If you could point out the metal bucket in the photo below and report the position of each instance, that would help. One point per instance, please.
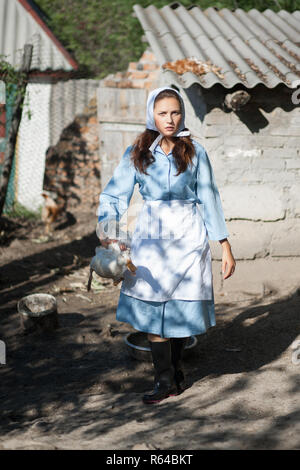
(38, 312)
(138, 346)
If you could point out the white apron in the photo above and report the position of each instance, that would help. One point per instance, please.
(171, 251)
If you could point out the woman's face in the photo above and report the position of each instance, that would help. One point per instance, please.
(167, 116)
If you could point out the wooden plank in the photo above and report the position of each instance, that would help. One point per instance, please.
(122, 105)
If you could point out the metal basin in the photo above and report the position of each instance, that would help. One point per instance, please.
(38, 312)
(138, 346)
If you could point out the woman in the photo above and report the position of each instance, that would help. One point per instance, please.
(171, 295)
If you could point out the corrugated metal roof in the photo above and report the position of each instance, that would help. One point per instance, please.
(21, 24)
(249, 48)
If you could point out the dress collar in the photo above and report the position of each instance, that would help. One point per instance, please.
(160, 150)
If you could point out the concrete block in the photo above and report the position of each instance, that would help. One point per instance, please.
(214, 147)
(121, 105)
(295, 121)
(285, 178)
(248, 176)
(285, 239)
(241, 153)
(248, 239)
(272, 176)
(215, 130)
(285, 152)
(240, 130)
(272, 163)
(277, 276)
(129, 137)
(227, 130)
(111, 145)
(240, 142)
(216, 116)
(294, 116)
(264, 141)
(231, 164)
(288, 130)
(253, 202)
(293, 163)
(294, 200)
(292, 142)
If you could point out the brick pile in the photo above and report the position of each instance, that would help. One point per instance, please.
(72, 169)
(141, 74)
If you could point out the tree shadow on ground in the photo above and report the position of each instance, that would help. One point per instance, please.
(49, 380)
(255, 337)
(61, 371)
(21, 276)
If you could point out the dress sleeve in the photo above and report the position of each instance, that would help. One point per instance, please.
(115, 198)
(208, 194)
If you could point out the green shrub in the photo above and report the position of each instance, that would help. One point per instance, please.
(103, 36)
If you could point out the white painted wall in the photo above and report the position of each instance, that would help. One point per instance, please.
(2, 102)
(255, 159)
(53, 107)
(33, 142)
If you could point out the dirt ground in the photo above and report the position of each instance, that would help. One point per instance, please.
(79, 387)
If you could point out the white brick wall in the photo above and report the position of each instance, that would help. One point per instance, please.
(255, 156)
(256, 162)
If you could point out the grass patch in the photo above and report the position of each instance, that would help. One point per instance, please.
(17, 211)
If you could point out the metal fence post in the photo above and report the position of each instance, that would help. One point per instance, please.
(2, 352)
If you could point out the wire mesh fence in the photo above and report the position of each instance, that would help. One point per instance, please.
(7, 95)
(49, 108)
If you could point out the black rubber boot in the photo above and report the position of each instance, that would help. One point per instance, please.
(164, 383)
(177, 347)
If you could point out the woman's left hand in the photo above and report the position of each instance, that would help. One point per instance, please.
(228, 262)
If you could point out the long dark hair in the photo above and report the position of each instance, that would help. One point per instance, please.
(183, 150)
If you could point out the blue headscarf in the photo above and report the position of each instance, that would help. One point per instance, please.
(150, 123)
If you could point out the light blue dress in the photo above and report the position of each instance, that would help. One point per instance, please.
(172, 318)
